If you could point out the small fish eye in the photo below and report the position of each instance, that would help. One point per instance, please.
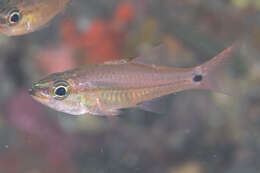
(14, 17)
(61, 90)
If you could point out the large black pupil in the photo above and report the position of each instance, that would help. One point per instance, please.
(15, 18)
(60, 91)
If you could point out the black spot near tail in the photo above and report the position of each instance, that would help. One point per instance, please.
(197, 78)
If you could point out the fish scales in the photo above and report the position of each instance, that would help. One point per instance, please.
(129, 75)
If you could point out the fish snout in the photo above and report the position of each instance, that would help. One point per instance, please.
(31, 91)
(38, 90)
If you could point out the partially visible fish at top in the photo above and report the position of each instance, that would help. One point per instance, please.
(104, 89)
(18, 17)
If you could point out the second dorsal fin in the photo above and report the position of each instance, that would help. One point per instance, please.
(153, 56)
(120, 61)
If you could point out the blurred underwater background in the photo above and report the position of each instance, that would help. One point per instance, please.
(201, 131)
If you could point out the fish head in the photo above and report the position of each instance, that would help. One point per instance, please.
(19, 17)
(58, 92)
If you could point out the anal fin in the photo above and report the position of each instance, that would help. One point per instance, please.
(158, 105)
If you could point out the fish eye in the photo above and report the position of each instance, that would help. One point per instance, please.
(14, 17)
(61, 90)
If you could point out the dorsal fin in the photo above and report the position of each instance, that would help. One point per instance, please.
(150, 57)
(153, 56)
(120, 61)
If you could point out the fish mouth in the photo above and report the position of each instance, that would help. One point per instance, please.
(31, 91)
(39, 91)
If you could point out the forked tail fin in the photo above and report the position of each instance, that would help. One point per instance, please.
(213, 74)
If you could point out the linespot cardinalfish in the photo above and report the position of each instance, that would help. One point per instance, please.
(104, 89)
(19, 17)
